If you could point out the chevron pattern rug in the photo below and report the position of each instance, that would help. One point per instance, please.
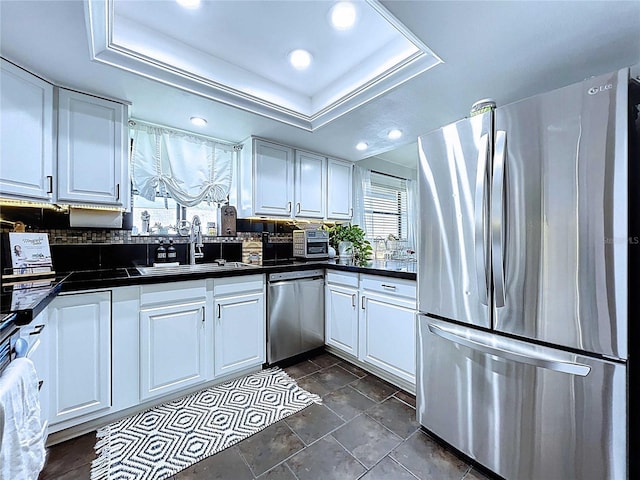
(160, 442)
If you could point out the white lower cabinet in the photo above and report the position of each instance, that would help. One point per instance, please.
(80, 355)
(173, 337)
(157, 340)
(372, 319)
(239, 324)
(125, 346)
(341, 318)
(387, 335)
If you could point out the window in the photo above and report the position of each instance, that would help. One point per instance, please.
(165, 220)
(385, 206)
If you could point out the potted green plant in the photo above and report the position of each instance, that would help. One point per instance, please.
(351, 233)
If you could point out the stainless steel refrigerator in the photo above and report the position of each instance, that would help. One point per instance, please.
(522, 284)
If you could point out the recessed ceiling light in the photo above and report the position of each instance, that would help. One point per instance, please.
(394, 134)
(192, 4)
(198, 121)
(362, 146)
(300, 59)
(343, 15)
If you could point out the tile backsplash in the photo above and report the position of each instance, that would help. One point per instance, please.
(257, 241)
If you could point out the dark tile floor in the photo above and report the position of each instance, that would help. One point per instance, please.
(364, 429)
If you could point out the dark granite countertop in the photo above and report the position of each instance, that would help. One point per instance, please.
(28, 299)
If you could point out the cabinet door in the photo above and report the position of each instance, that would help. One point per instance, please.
(26, 130)
(172, 348)
(240, 332)
(339, 190)
(310, 185)
(388, 335)
(341, 317)
(80, 354)
(273, 179)
(92, 150)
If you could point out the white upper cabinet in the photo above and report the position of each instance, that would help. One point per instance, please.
(273, 171)
(91, 165)
(92, 150)
(280, 181)
(26, 133)
(310, 185)
(339, 190)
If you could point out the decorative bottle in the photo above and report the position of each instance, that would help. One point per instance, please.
(161, 253)
(171, 252)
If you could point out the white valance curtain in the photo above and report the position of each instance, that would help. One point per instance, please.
(361, 189)
(189, 168)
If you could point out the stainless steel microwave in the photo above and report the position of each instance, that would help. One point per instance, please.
(310, 244)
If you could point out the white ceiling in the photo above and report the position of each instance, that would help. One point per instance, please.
(245, 63)
(503, 50)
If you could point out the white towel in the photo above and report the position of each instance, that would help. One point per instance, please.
(22, 452)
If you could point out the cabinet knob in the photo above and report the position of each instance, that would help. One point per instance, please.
(298, 207)
(363, 302)
(289, 207)
(50, 182)
(353, 300)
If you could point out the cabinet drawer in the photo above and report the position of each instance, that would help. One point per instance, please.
(162, 293)
(241, 284)
(393, 286)
(342, 278)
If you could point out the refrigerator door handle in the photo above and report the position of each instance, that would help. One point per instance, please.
(480, 243)
(548, 363)
(497, 215)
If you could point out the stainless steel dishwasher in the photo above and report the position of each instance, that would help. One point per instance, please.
(295, 319)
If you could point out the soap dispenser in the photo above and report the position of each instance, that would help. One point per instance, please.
(171, 252)
(161, 253)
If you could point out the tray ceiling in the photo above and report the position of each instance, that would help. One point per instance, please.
(237, 53)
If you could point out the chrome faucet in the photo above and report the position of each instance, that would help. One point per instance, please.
(195, 240)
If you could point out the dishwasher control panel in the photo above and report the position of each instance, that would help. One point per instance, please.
(297, 275)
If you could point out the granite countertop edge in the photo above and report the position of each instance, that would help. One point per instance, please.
(129, 276)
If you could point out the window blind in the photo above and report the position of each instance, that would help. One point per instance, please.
(385, 207)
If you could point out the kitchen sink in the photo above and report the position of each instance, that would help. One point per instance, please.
(198, 268)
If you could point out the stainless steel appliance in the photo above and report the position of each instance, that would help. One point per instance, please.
(295, 318)
(522, 284)
(311, 243)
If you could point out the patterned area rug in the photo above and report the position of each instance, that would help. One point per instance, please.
(164, 440)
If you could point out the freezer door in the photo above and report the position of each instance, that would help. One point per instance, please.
(524, 411)
(559, 217)
(453, 246)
